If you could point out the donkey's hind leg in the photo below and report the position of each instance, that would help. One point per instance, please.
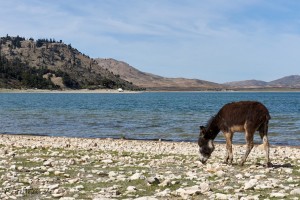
(249, 144)
(263, 132)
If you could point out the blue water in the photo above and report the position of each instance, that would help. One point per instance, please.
(162, 115)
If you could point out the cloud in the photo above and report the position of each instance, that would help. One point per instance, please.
(212, 40)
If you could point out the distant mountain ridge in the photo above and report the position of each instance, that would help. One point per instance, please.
(154, 82)
(292, 81)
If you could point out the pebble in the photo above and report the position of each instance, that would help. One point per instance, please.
(136, 176)
(277, 195)
(295, 191)
(161, 170)
(131, 188)
(250, 184)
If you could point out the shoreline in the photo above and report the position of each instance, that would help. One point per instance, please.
(43, 167)
(80, 91)
(140, 140)
(115, 91)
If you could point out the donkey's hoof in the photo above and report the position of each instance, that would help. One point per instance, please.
(269, 164)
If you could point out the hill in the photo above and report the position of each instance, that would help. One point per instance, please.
(50, 64)
(292, 82)
(154, 82)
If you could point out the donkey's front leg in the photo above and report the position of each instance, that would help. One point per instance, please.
(229, 155)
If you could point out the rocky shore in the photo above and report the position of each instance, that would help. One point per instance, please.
(33, 167)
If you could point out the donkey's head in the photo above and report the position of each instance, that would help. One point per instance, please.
(206, 146)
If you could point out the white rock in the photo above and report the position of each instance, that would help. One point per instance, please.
(221, 196)
(53, 187)
(204, 187)
(79, 187)
(220, 173)
(112, 174)
(72, 181)
(107, 161)
(165, 183)
(194, 190)
(250, 184)
(153, 180)
(288, 170)
(58, 193)
(13, 167)
(48, 163)
(192, 175)
(136, 176)
(295, 191)
(146, 198)
(56, 173)
(239, 176)
(67, 198)
(131, 188)
(164, 193)
(277, 195)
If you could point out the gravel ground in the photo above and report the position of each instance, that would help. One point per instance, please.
(33, 167)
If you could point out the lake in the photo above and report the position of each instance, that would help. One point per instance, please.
(174, 116)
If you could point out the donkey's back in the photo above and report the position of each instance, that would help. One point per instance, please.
(239, 116)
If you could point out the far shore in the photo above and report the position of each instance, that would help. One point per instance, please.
(112, 91)
(116, 91)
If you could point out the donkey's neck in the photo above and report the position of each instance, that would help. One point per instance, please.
(212, 128)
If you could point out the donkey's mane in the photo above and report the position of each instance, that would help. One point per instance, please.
(208, 124)
(212, 127)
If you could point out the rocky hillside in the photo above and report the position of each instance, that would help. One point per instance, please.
(154, 82)
(29, 63)
(288, 81)
(285, 82)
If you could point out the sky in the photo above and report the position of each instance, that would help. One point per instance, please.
(212, 40)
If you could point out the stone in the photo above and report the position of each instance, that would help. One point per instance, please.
(277, 195)
(112, 174)
(13, 167)
(72, 181)
(108, 161)
(79, 187)
(221, 196)
(153, 180)
(164, 193)
(58, 193)
(53, 187)
(146, 198)
(295, 191)
(48, 163)
(136, 176)
(250, 184)
(220, 173)
(131, 188)
(239, 176)
(165, 183)
(204, 187)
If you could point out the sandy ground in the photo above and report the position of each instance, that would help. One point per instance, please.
(35, 167)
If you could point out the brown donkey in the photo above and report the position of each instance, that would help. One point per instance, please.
(246, 116)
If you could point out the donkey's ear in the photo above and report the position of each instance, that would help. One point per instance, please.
(202, 131)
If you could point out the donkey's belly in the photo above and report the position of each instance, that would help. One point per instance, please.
(237, 128)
